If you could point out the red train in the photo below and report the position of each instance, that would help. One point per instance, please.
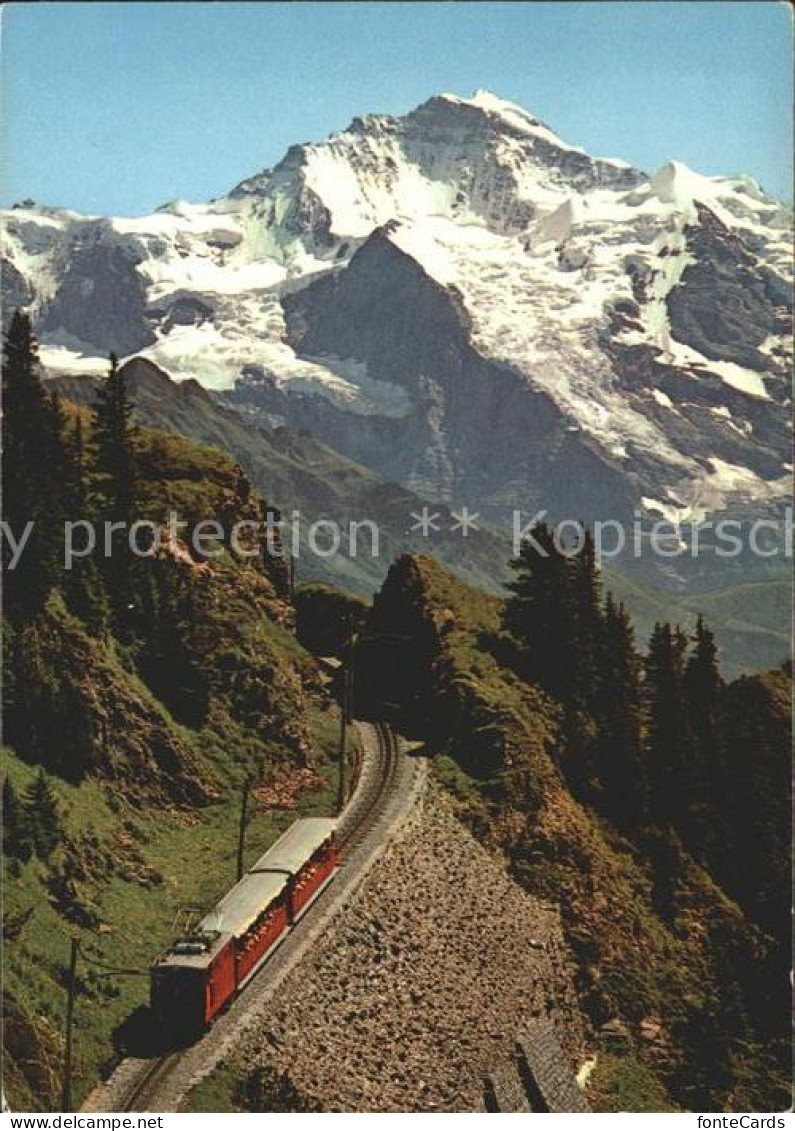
(196, 978)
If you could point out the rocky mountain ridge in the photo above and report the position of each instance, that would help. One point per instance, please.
(466, 304)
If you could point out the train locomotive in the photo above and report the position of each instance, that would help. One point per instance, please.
(201, 973)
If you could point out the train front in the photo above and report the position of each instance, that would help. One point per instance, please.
(191, 982)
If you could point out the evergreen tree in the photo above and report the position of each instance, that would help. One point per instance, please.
(16, 828)
(113, 439)
(114, 436)
(703, 685)
(42, 808)
(83, 587)
(555, 616)
(586, 586)
(58, 455)
(277, 563)
(242, 486)
(703, 689)
(753, 795)
(86, 597)
(78, 492)
(32, 472)
(541, 615)
(703, 677)
(668, 737)
(619, 760)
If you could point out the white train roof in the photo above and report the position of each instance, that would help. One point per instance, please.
(260, 886)
(244, 903)
(295, 846)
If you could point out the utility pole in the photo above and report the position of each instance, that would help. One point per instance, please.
(66, 1090)
(346, 682)
(241, 837)
(346, 711)
(292, 570)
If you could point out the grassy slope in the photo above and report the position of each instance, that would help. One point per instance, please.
(136, 858)
(145, 874)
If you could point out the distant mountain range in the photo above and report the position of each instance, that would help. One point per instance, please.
(467, 306)
(297, 472)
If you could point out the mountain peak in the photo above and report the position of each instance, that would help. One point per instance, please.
(492, 103)
(497, 111)
(595, 283)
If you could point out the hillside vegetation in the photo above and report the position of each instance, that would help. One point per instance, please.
(678, 916)
(632, 786)
(142, 695)
(303, 475)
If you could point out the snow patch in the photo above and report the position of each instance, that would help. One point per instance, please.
(557, 227)
(61, 359)
(420, 243)
(676, 184)
(747, 381)
(218, 358)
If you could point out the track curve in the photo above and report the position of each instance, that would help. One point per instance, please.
(387, 783)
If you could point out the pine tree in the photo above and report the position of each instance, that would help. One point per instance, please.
(16, 828)
(32, 472)
(114, 437)
(114, 447)
(42, 808)
(242, 486)
(541, 615)
(703, 688)
(78, 492)
(619, 760)
(57, 455)
(83, 587)
(668, 736)
(586, 595)
(277, 563)
(703, 684)
(752, 800)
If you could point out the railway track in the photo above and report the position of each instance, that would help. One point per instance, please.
(372, 791)
(146, 1084)
(140, 1086)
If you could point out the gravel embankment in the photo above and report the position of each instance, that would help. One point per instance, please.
(423, 982)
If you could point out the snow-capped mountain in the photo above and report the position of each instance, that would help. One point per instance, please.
(464, 302)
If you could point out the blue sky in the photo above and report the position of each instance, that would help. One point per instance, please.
(116, 108)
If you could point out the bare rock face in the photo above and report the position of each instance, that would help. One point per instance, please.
(725, 307)
(424, 983)
(474, 428)
(101, 298)
(17, 291)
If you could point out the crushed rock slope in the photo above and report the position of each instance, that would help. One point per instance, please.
(424, 983)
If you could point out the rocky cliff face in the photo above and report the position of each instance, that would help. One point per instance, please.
(467, 304)
(475, 431)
